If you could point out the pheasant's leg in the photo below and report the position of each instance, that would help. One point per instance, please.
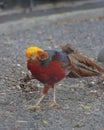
(36, 106)
(54, 103)
(54, 95)
(45, 90)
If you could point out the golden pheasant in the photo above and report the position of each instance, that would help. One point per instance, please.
(51, 66)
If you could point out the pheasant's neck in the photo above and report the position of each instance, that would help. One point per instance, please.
(47, 61)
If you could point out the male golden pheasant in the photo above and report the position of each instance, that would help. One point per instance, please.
(51, 66)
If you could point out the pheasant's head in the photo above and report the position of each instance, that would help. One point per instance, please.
(36, 52)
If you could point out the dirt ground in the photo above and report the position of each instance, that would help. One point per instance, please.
(81, 100)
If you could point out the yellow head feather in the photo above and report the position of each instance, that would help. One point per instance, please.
(33, 50)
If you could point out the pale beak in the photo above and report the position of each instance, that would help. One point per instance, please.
(27, 59)
(33, 57)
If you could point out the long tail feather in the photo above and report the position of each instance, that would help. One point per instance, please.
(78, 72)
(85, 62)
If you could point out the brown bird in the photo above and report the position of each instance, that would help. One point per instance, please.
(51, 66)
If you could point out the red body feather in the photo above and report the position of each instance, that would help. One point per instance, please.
(50, 74)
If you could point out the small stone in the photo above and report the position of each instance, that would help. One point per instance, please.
(93, 91)
(18, 87)
(39, 85)
(59, 84)
(23, 72)
(18, 65)
(92, 83)
(82, 84)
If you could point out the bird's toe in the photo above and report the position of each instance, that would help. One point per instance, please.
(34, 107)
(54, 104)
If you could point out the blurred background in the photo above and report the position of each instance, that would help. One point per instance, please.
(31, 5)
(44, 7)
(8, 4)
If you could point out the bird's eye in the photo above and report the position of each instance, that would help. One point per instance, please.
(43, 56)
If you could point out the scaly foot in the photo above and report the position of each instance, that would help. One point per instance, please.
(34, 107)
(54, 104)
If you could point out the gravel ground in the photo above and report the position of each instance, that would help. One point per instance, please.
(81, 100)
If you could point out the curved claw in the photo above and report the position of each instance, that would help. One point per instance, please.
(35, 107)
